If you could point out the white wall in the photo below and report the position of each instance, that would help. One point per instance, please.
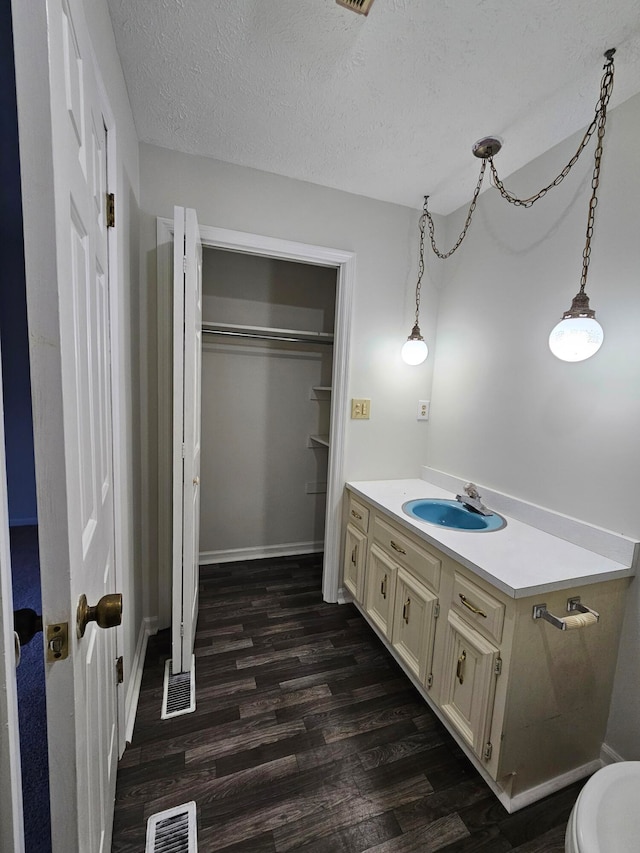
(385, 239)
(505, 412)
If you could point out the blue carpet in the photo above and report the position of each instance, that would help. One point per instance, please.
(25, 571)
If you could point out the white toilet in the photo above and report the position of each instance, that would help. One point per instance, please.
(606, 815)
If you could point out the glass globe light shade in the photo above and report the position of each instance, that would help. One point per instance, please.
(414, 351)
(576, 338)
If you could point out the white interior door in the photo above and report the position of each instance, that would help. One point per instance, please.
(11, 828)
(68, 299)
(187, 356)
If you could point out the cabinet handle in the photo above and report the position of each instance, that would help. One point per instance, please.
(460, 667)
(471, 607)
(356, 515)
(354, 555)
(397, 547)
(383, 587)
(405, 610)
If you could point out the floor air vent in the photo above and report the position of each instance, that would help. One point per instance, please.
(173, 831)
(179, 696)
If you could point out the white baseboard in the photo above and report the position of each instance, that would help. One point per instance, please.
(260, 552)
(148, 627)
(532, 795)
(344, 596)
(609, 755)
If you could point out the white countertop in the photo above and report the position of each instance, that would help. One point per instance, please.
(519, 559)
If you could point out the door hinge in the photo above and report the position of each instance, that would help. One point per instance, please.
(120, 669)
(488, 751)
(184, 263)
(430, 680)
(436, 610)
(182, 629)
(111, 210)
(497, 667)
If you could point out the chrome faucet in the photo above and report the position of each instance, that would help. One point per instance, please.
(472, 500)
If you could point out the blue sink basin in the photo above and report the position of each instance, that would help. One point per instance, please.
(452, 514)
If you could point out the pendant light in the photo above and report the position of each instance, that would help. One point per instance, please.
(578, 335)
(415, 350)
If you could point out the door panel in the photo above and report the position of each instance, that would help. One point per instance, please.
(187, 350)
(380, 589)
(414, 624)
(68, 297)
(355, 550)
(468, 681)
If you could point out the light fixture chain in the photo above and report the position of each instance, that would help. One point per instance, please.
(606, 87)
(472, 207)
(595, 180)
(422, 224)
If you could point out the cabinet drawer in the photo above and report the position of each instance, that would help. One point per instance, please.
(415, 557)
(358, 514)
(478, 607)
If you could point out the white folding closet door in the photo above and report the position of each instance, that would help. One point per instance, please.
(187, 356)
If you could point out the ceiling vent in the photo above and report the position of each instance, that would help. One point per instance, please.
(360, 6)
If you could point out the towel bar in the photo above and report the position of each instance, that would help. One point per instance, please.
(581, 616)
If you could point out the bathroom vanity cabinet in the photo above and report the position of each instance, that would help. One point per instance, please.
(526, 701)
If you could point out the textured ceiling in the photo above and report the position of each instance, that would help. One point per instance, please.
(386, 106)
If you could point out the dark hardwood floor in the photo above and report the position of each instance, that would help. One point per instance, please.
(307, 736)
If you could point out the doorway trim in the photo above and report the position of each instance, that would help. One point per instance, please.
(255, 244)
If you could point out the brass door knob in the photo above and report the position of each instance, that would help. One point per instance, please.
(107, 613)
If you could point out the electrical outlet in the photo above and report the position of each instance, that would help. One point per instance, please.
(423, 410)
(360, 409)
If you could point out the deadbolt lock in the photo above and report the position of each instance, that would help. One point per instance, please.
(57, 642)
(107, 613)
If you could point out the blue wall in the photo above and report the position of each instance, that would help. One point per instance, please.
(13, 308)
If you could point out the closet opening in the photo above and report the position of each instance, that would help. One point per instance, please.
(338, 266)
(267, 396)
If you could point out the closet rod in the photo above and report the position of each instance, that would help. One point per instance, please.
(264, 337)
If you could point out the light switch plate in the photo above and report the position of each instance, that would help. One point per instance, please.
(360, 409)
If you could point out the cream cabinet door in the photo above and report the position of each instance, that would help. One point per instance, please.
(380, 589)
(414, 624)
(355, 551)
(467, 678)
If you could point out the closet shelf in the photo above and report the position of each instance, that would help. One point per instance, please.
(267, 333)
(321, 393)
(322, 440)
